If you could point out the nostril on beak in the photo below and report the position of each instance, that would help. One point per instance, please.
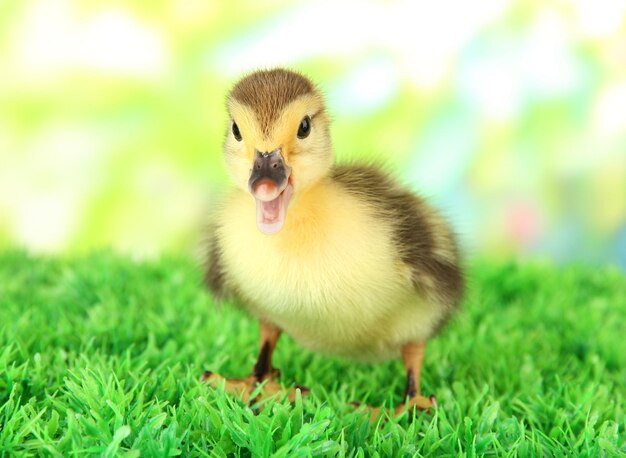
(275, 165)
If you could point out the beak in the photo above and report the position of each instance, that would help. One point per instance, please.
(271, 188)
(269, 175)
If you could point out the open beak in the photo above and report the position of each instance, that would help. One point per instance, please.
(271, 187)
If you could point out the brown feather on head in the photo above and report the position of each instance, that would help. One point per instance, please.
(268, 92)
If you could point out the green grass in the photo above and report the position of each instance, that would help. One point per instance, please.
(101, 355)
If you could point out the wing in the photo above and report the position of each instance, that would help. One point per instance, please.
(422, 238)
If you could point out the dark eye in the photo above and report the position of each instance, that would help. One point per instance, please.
(236, 132)
(305, 127)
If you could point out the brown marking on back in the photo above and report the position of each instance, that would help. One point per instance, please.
(268, 92)
(422, 239)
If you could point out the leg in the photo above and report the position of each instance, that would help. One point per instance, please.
(269, 335)
(262, 372)
(413, 355)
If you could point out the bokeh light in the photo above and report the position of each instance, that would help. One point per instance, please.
(509, 116)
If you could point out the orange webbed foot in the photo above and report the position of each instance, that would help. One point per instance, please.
(253, 389)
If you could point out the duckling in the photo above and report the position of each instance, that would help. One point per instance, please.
(342, 258)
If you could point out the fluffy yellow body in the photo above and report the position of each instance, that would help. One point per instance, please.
(331, 278)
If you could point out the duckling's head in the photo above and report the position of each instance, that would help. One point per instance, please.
(278, 143)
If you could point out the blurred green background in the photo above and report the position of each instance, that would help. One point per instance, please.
(509, 116)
